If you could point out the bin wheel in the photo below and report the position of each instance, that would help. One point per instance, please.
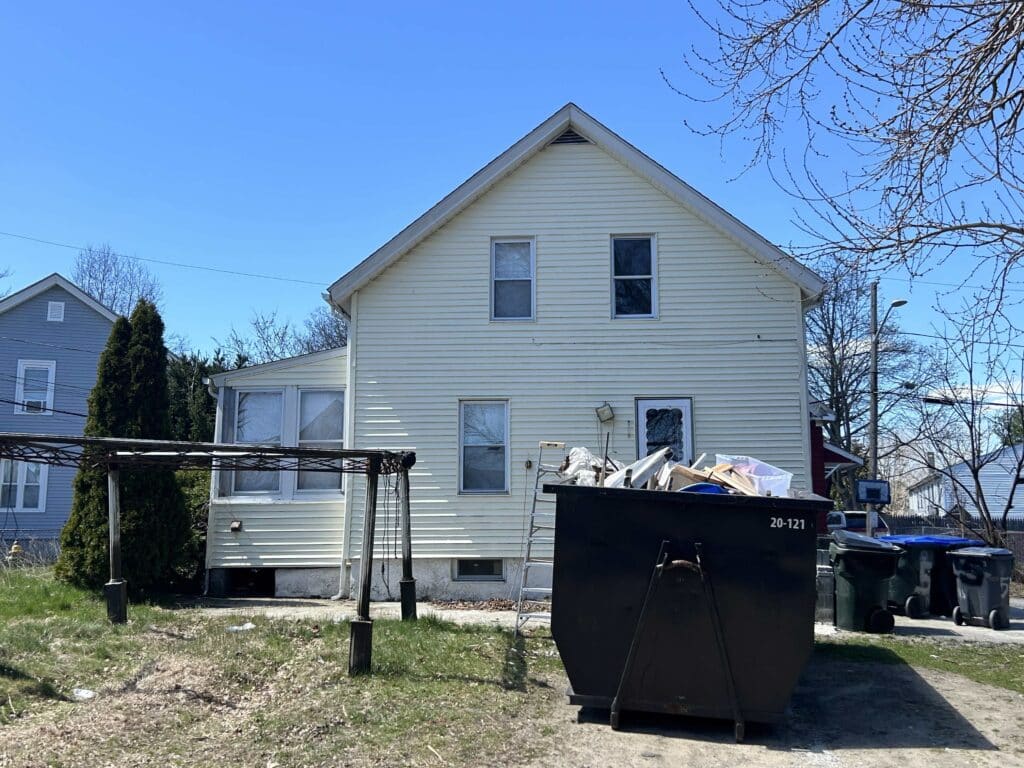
(958, 616)
(881, 621)
(914, 607)
(996, 621)
(739, 731)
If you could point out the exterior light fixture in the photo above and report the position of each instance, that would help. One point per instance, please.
(604, 412)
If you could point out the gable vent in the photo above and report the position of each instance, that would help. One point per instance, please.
(570, 137)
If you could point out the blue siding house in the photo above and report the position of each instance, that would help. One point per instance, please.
(51, 336)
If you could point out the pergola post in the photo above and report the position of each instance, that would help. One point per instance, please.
(115, 590)
(408, 583)
(361, 628)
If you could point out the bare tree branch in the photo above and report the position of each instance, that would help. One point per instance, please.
(113, 280)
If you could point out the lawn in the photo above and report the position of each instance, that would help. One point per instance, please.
(175, 687)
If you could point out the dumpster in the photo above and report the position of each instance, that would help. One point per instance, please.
(983, 586)
(684, 603)
(863, 568)
(923, 561)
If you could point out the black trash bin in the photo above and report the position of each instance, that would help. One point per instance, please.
(685, 603)
(983, 586)
(922, 562)
(863, 568)
(942, 597)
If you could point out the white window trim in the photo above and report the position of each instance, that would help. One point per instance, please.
(19, 487)
(508, 445)
(55, 311)
(316, 493)
(686, 404)
(19, 390)
(653, 276)
(533, 279)
(280, 474)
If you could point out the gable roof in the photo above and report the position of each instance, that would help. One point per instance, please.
(571, 117)
(59, 281)
(218, 379)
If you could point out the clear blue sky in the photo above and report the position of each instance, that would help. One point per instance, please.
(295, 138)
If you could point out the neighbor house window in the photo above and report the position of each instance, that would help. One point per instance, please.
(34, 388)
(479, 570)
(634, 292)
(483, 446)
(55, 311)
(512, 270)
(665, 423)
(258, 420)
(321, 425)
(22, 485)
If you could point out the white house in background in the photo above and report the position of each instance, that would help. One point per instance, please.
(291, 523)
(569, 273)
(953, 487)
(51, 336)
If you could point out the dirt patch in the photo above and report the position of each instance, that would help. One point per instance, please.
(843, 714)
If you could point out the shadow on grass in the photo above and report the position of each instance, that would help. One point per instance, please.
(849, 697)
(32, 686)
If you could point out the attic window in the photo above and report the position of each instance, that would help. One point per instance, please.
(55, 311)
(570, 137)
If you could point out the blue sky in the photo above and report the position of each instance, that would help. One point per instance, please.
(294, 139)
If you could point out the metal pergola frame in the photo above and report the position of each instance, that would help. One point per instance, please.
(113, 454)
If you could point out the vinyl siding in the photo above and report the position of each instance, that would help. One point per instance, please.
(275, 533)
(997, 478)
(75, 344)
(729, 334)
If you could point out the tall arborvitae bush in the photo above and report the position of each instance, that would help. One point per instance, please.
(83, 542)
(131, 396)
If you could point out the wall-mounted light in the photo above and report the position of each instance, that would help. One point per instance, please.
(604, 412)
(236, 526)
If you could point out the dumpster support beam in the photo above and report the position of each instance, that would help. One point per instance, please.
(361, 628)
(408, 584)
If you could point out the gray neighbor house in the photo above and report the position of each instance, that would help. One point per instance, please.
(51, 336)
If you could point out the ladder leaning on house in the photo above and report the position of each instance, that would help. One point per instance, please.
(539, 535)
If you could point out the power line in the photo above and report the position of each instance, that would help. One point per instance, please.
(45, 410)
(912, 282)
(56, 384)
(51, 346)
(183, 265)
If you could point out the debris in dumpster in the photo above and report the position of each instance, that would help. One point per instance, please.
(739, 475)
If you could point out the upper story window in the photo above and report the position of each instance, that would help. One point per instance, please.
(258, 419)
(512, 284)
(634, 293)
(483, 446)
(55, 311)
(34, 388)
(321, 425)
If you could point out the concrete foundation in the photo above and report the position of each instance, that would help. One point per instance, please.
(306, 582)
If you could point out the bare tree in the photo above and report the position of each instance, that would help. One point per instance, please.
(838, 364)
(270, 337)
(114, 280)
(4, 274)
(981, 378)
(900, 123)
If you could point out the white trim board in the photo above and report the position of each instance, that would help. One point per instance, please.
(570, 116)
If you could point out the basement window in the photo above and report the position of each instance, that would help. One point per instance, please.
(479, 570)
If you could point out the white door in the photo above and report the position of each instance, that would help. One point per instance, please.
(665, 421)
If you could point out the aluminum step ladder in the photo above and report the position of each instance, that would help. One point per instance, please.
(539, 535)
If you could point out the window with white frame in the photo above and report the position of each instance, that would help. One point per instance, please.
(512, 273)
(34, 388)
(22, 485)
(634, 293)
(321, 425)
(55, 311)
(258, 419)
(483, 446)
(665, 423)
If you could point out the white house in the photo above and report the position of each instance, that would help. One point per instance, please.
(569, 273)
(953, 487)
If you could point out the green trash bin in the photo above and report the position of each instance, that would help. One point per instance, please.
(983, 586)
(863, 567)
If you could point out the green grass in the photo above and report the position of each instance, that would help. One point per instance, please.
(998, 665)
(280, 692)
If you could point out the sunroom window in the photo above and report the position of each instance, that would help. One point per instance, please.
(321, 425)
(258, 420)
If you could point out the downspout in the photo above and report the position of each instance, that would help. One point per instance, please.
(214, 392)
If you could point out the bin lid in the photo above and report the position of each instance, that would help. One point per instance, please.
(861, 543)
(932, 541)
(994, 552)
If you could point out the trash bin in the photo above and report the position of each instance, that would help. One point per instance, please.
(684, 603)
(863, 568)
(982, 586)
(942, 598)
